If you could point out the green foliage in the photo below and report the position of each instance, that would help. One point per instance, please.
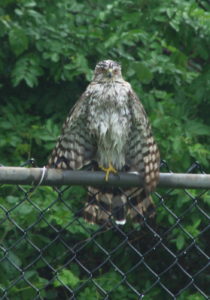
(66, 277)
(48, 51)
(27, 68)
(186, 296)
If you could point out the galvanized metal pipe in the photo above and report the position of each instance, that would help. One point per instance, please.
(55, 177)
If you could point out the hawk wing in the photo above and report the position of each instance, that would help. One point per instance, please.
(142, 153)
(142, 156)
(75, 147)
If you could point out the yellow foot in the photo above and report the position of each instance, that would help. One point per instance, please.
(108, 170)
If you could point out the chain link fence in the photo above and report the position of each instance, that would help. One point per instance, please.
(47, 250)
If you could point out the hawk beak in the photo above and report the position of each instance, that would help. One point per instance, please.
(110, 73)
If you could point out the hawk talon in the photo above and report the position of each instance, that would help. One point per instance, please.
(108, 170)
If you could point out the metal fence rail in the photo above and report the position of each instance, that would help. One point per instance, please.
(53, 177)
(47, 250)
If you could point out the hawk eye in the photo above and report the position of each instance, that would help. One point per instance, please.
(101, 69)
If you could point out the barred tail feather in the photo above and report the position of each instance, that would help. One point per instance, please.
(102, 207)
(140, 208)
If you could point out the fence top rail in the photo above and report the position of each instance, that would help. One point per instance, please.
(57, 177)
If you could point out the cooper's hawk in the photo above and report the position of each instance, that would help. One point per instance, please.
(108, 129)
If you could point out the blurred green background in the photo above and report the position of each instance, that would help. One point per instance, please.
(49, 49)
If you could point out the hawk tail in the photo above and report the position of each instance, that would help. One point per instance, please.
(104, 206)
(140, 207)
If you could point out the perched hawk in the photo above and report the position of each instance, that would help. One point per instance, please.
(108, 129)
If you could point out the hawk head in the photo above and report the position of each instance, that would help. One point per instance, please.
(107, 70)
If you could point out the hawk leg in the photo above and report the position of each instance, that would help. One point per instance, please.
(108, 170)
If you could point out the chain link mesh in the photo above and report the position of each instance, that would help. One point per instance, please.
(47, 251)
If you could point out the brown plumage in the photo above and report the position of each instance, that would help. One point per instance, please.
(108, 126)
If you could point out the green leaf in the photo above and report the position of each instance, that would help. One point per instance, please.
(27, 68)
(66, 277)
(12, 199)
(197, 128)
(180, 241)
(14, 258)
(18, 40)
(142, 72)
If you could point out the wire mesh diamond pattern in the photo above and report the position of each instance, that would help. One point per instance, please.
(47, 250)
